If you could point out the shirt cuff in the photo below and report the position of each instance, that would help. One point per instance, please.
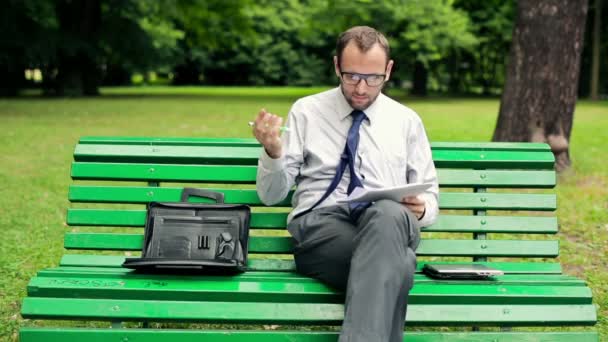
(430, 211)
(423, 213)
(270, 164)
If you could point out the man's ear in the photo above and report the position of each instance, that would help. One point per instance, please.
(336, 66)
(389, 68)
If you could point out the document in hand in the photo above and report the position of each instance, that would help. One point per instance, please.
(394, 193)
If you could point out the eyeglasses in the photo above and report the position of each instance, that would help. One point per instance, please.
(372, 80)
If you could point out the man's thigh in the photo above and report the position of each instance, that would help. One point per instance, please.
(324, 244)
(394, 220)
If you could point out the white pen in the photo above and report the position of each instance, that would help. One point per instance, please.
(282, 128)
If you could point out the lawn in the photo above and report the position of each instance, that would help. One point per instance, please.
(37, 137)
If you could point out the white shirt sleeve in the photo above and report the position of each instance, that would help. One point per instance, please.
(275, 177)
(421, 169)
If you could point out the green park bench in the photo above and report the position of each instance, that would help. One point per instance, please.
(497, 208)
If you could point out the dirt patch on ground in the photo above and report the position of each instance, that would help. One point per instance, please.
(573, 270)
(592, 182)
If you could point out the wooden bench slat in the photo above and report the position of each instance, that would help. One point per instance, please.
(134, 194)
(163, 172)
(152, 141)
(491, 159)
(309, 313)
(494, 224)
(497, 201)
(445, 223)
(195, 335)
(114, 261)
(293, 291)
(234, 155)
(253, 263)
(253, 142)
(291, 276)
(247, 174)
(447, 200)
(107, 217)
(238, 155)
(137, 218)
(263, 244)
(496, 178)
(491, 146)
(273, 276)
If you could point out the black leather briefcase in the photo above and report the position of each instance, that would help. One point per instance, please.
(206, 238)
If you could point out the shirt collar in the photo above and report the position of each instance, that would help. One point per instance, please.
(343, 109)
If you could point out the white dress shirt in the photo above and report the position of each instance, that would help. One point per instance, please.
(393, 150)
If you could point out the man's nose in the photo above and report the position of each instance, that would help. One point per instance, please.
(361, 86)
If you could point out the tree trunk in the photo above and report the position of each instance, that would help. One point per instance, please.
(187, 73)
(595, 56)
(485, 76)
(453, 80)
(116, 75)
(542, 75)
(11, 79)
(78, 70)
(420, 79)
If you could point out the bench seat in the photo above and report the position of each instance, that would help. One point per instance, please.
(497, 209)
(158, 335)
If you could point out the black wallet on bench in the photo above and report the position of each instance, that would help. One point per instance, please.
(208, 238)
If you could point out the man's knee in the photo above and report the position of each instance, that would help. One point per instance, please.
(390, 208)
(390, 213)
(393, 221)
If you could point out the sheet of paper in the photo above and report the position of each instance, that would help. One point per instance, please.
(394, 193)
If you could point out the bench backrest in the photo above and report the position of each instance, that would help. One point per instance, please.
(486, 188)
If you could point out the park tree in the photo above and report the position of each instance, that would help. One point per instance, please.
(427, 32)
(102, 36)
(596, 46)
(421, 33)
(210, 27)
(456, 45)
(284, 48)
(77, 43)
(482, 69)
(79, 23)
(593, 79)
(28, 40)
(74, 42)
(542, 75)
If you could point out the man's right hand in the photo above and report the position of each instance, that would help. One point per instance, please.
(267, 130)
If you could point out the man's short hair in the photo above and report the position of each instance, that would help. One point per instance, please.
(365, 37)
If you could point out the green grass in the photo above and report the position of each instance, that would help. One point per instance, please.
(37, 138)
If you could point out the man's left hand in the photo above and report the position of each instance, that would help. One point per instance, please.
(416, 204)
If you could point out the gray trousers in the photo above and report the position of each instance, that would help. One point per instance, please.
(373, 260)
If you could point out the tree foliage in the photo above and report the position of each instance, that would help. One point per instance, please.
(456, 46)
(483, 67)
(77, 43)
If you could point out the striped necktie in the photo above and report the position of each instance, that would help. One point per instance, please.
(348, 159)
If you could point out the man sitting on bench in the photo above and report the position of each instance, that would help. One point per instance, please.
(353, 136)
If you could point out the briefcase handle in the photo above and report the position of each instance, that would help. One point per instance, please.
(187, 192)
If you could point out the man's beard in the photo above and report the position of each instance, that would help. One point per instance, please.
(351, 102)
